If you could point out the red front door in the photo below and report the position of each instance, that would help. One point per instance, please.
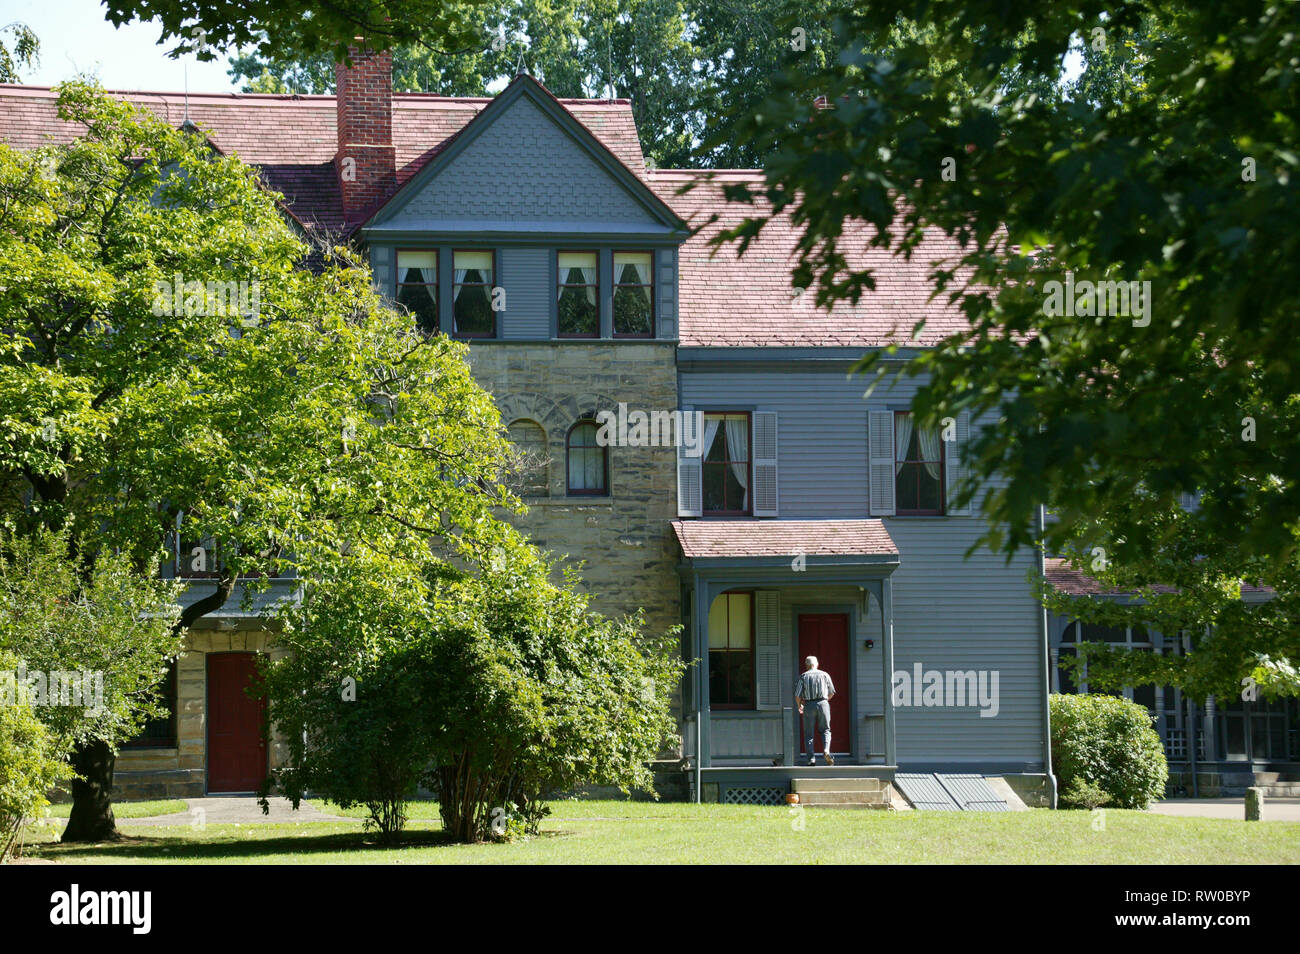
(826, 636)
(236, 752)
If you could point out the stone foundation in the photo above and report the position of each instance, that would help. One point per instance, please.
(1219, 782)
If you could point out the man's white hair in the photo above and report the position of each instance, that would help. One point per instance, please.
(810, 661)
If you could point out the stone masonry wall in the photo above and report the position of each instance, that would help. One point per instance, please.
(625, 538)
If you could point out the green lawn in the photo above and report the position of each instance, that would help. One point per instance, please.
(167, 806)
(637, 832)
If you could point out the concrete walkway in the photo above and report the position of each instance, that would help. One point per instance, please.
(234, 810)
(1275, 809)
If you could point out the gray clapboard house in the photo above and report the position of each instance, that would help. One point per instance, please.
(784, 514)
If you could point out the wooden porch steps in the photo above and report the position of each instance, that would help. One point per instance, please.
(842, 792)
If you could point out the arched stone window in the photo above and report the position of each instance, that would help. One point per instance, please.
(531, 477)
(586, 461)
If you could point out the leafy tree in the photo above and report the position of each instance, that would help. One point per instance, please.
(26, 48)
(308, 25)
(570, 45)
(494, 688)
(112, 629)
(291, 68)
(166, 359)
(691, 68)
(743, 46)
(1190, 585)
(1153, 167)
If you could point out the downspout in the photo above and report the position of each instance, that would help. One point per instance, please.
(699, 690)
(1047, 655)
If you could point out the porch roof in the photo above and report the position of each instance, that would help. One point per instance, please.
(732, 539)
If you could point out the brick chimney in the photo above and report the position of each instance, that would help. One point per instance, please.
(366, 163)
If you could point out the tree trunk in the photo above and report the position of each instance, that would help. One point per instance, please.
(92, 794)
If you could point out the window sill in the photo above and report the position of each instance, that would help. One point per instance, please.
(605, 501)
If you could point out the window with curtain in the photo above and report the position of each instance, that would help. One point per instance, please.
(417, 287)
(731, 652)
(578, 314)
(633, 294)
(472, 294)
(725, 467)
(586, 461)
(918, 468)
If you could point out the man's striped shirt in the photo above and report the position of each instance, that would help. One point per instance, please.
(814, 684)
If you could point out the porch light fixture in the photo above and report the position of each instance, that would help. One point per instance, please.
(871, 644)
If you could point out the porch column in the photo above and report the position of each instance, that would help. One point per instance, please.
(703, 599)
(887, 642)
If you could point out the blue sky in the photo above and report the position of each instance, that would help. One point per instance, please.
(75, 38)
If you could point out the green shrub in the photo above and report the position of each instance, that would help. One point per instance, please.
(1082, 794)
(31, 764)
(354, 722)
(1109, 743)
(492, 690)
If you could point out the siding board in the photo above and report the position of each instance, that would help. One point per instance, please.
(950, 613)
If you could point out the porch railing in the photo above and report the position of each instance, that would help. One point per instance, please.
(1176, 745)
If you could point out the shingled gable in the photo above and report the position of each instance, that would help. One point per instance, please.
(564, 174)
(292, 139)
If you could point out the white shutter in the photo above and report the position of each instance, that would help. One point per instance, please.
(689, 490)
(765, 483)
(954, 469)
(880, 463)
(767, 654)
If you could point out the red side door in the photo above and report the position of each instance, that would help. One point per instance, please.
(826, 636)
(236, 751)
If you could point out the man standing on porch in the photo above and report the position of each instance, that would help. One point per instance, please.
(814, 689)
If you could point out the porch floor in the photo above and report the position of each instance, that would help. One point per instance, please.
(841, 769)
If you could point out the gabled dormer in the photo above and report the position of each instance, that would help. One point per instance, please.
(523, 225)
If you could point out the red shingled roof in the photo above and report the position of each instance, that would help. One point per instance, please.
(766, 538)
(293, 139)
(724, 299)
(731, 300)
(1067, 579)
